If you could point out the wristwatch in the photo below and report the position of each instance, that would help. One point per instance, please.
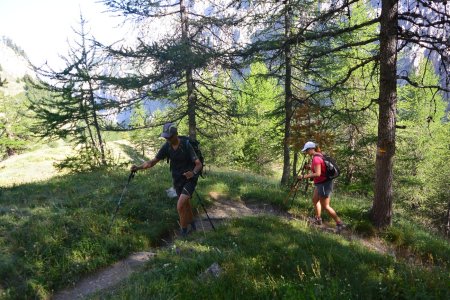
(193, 172)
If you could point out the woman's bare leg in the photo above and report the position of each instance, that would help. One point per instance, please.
(325, 202)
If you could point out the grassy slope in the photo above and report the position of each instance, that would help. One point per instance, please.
(52, 225)
(268, 258)
(60, 226)
(271, 258)
(31, 167)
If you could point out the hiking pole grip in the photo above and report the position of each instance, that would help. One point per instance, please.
(131, 176)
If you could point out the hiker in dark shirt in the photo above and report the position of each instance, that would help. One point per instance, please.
(185, 167)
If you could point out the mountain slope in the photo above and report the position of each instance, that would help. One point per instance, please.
(13, 67)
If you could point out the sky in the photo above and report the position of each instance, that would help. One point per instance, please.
(42, 28)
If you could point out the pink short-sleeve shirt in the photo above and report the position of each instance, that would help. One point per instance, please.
(318, 160)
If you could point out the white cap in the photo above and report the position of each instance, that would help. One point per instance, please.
(308, 145)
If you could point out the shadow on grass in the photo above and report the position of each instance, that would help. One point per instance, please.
(61, 226)
(256, 188)
(268, 258)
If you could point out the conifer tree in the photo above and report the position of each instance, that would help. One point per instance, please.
(175, 62)
(14, 132)
(142, 138)
(404, 25)
(423, 148)
(72, 100)
(258, 128)
(276, 22)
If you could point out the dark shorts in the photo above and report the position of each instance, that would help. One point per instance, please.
(185, 186)
(324, 189)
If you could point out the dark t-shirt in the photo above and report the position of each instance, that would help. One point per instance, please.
(181, 160)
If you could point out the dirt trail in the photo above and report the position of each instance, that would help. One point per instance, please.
(222, 209)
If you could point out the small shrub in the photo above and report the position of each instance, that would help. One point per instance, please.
(365, 228)
(395, 235)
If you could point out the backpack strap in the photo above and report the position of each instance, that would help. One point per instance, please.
(168, 156)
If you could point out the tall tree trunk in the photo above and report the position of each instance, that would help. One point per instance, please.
(294, 164)
(287, 97)
(85, 112)
(447, 226)
(351, 161)
(381, 212)
(96, 126)
(192, 100)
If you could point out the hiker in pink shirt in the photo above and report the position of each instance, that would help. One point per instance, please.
(323, 185)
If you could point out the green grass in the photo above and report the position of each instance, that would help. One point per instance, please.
(54, 231)
(31, 167)
(60, 226)
(242, 186)
(268, 258)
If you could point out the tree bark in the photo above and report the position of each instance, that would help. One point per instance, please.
(96, 125)
(294, 164)
(287, 97)
(84, 109)
(351, 162)
(381, 212)
(447, 226)
(192, 100)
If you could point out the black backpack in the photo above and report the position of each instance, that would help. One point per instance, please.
(332, 169)
(196, 146)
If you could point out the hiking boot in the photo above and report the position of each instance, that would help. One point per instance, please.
(183, 232)
(193, 226)
(317, 221)
(340, 226)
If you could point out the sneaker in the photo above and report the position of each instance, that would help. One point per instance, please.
(340, 226)
(317, 221)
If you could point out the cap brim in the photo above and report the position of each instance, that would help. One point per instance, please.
(165, 135)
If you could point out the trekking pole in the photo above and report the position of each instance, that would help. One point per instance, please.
(294, 188)
(295, 194)
(306, 184)
(295, 185)
(120, 200)
(201, 203)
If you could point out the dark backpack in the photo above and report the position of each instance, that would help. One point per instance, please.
(196, 146)
(332, 169)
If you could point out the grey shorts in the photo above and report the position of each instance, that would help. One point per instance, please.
(324, 189)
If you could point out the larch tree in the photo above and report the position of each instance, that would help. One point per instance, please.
(404, 27)
(276, 23)
(180, 44)
(72, 103)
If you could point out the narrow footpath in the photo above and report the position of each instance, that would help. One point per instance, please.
(222, 210)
